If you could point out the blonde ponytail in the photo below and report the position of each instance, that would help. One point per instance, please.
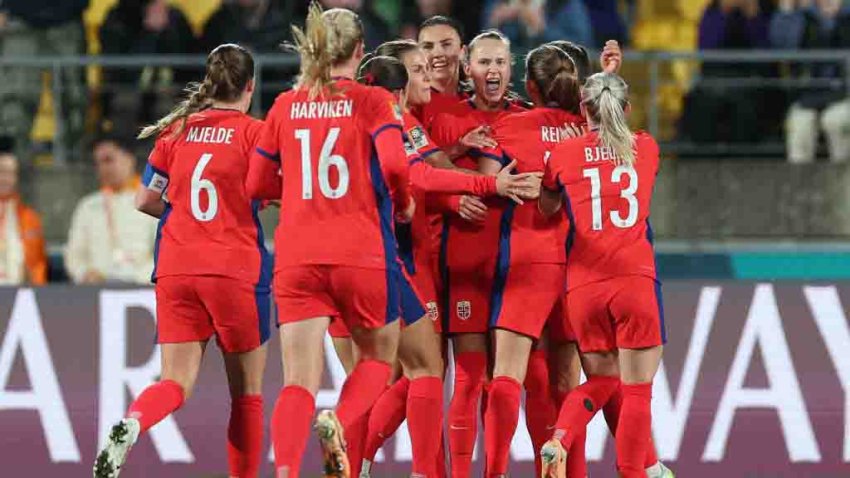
(200, 97)
(605, 97)
(229, 68)
(327, 39)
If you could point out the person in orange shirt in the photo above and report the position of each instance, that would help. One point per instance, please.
(22, 254)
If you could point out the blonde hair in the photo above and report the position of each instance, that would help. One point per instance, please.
(605, 97)
(229, 69)
(328, 39)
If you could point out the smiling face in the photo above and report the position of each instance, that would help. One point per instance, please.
(490, 69)
(443, 50)
(419, 77)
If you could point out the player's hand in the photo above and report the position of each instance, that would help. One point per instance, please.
(518, 186)
(404, 217)
(472, 209)
(612, 57)
(478, 138)
(574, 131)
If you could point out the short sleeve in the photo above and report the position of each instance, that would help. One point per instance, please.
(268, 142)
(155, 176)
(382, 112)
(253, 133)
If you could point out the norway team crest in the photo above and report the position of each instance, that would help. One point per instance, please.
(464, 309)
(433, 311)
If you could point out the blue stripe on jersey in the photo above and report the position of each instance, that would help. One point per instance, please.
(477, 153)
(384, 128)
(404, 239)
(162, 220)
(147, 176)
(272, 156)
(429, 152)
(444, 273)
(503, 264)
(385, 213)
(262, 287)
(568, 210)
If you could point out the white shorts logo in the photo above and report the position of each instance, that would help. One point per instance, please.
(464, 309)
(433, 312)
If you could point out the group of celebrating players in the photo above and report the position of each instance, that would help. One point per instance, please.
(421, 202)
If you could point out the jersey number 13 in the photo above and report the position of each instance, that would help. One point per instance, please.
(627, 193)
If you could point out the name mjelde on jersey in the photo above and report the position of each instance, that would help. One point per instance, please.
(209, 134)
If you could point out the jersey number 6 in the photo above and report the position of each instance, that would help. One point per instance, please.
(627, 193)
(199, 184)
(326, 160)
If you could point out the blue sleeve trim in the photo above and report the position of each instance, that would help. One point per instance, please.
(147, 176)
(415, 160)
(384, 128)
(428, 153)
(271, 156)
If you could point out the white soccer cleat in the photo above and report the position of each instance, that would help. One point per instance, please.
(658, 470)
(366, 469)
(121, 438)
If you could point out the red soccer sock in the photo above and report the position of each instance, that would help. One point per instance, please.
(540, 412)
(355, 438)
(633, 428)
(441, 454)
(576, 460)
(291, 419)
(612, 416)
(155, 403)
(470, 370)
(386, 416)
(424, 419)
(581, 404)
(500, 423)
(245, 436)
(361, 390)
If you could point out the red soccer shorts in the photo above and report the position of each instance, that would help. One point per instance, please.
(624, 312)
(469, 294)
(412, 308)
(360, 297)
(194, 308)
(425, 285)
(560, 329)
(526, 295)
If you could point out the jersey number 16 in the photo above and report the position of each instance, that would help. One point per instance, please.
(326, 160)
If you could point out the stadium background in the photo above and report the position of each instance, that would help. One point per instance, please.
(753, 250)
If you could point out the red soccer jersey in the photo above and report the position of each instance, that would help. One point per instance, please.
(528, 137)
(344, 167)
(471, 244)
(210, 225)
(608, 207)
(440, 103)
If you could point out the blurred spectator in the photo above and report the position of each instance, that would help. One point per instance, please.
(414, 13)
(607, 22)
(259, 25)
(819, 24)
(527, 23)
(718, 108)
(31, 28)
(143, 27)
(109, 240)
(22, 255)
(375, 29)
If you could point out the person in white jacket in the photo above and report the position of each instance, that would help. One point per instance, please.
(109, 241)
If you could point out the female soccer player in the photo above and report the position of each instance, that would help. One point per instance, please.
(614, 298)
(470, 242)
(420, 346)
(441, 39)
(212, 271)
(337, 255)
(531, 268)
